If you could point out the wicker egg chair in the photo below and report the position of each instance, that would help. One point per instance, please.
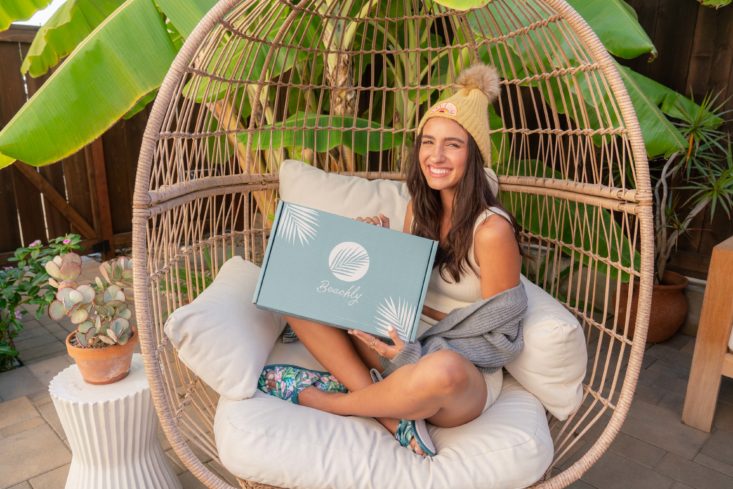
(342, 85)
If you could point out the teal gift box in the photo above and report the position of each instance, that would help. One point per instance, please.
(339, 271)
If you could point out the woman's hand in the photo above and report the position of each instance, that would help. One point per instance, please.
(379, 346)
(380, 220)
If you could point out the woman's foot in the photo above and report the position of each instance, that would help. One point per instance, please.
(287, 382)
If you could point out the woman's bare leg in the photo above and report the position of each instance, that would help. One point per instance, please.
(443, 387)
(347, 358)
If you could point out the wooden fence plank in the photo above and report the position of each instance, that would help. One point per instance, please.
(27, 200)
(57, 200)
(57, 224)
(11, 97)
(121, 148)
(97, 178)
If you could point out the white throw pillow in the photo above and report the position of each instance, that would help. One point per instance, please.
(271, 441)
(344, 195)
(222, 336)
(552, 364)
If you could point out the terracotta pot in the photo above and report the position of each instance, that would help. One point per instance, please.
(668, 309)
(103, 365)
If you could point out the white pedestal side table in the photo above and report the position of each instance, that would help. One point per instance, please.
(112, 431)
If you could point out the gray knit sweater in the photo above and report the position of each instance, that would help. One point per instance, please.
(488, 333)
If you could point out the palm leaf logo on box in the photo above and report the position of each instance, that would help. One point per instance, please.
(399, 314)
(299, 224)
(348, 261)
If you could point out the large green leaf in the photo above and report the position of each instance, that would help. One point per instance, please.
(616, 24)
(12, 10)
(322, 133)
(584, 101)
(125, 58)
(187, 14)
(63, 31)
(660, 136)
(672, 103)
(462, 4)
(715, 3)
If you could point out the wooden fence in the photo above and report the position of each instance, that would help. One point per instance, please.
(91, 191)
(695, 46)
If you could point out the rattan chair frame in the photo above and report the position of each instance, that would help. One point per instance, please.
(185, 213)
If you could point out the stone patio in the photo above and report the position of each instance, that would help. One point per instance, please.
(653, 451)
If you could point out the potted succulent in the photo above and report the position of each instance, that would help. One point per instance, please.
(104, 339)
(688, 183)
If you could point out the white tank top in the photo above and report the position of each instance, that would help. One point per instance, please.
(445, 295)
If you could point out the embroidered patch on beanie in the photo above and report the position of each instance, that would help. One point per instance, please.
(445, 108)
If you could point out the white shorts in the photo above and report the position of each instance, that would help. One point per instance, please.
(494, 380)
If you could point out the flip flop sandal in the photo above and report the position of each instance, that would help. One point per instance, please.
(286, 382)
(409, 429)
(417, 429)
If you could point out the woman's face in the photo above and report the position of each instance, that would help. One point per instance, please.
(443, 153)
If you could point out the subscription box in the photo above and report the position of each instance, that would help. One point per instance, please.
(342, 272)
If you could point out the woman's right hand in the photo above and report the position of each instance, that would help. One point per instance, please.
(380, 220)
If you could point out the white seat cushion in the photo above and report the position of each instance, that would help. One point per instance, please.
(221, 336)
(730, 341)
(275, 442)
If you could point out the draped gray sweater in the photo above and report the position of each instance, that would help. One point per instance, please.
(488, 333)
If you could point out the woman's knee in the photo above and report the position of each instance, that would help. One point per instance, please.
(445, 372)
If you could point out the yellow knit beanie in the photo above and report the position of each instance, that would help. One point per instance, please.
(470, 105)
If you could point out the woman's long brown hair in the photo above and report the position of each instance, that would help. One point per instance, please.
(473, 195)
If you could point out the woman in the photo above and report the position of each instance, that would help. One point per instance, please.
(478, 259)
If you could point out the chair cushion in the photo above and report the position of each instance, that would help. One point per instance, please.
(552, 364)
(730, 341)
(222, 336)
(342, 194)
(275, 442)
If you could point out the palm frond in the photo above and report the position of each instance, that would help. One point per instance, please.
(299, 224)
(400, 315)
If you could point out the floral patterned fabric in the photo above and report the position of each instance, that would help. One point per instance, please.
(287, 381)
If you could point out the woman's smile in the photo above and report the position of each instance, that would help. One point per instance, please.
(438, 172)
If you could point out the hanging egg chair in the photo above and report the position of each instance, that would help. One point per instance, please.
(342, 85)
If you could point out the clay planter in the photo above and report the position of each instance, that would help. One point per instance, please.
(668, 310)
(103, 365)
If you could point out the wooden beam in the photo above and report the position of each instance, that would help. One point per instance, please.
(94, 153)
(19, 33)
(56, 200)
(710, 358)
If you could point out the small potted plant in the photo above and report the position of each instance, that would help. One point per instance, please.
(104, 339)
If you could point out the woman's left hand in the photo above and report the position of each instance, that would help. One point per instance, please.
(379, 346)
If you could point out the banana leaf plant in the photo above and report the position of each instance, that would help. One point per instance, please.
(117, 53)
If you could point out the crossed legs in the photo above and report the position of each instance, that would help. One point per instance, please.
(443, 387)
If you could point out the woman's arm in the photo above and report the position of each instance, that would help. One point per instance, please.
(407, 225)
(497, 255)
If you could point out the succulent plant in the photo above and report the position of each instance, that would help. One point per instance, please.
(99, 310)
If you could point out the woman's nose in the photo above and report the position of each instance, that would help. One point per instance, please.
(437, 153)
